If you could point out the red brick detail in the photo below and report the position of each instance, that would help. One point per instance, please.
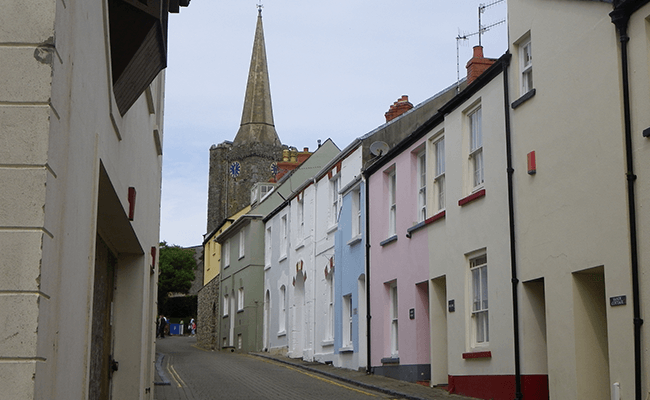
(398, 108)
(477, 354)
(477, 64)
(471, 197)
(436, 217)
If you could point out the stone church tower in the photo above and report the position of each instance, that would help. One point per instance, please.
(236, 166)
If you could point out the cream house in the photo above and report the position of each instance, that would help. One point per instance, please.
(81, 118)
(579, 91)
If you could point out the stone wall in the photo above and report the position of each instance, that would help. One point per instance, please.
(207, 335)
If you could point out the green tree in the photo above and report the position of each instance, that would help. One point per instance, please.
(176, 271)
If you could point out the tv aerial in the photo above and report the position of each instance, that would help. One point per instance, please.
(481, 30)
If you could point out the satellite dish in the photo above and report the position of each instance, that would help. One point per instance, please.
(379, 148)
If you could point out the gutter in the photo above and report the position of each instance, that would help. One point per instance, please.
(621, 17)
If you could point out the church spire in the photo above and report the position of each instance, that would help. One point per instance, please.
(257, 124)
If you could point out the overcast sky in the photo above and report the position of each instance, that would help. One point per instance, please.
(334, 68)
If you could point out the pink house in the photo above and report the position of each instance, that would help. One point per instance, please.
(399, 263)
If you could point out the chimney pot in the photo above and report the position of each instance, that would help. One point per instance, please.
(398, 108)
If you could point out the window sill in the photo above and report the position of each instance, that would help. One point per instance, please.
(267, 267)
(529, 95)
(300, 245)
(282, 333)
(390, 360)
(414, 228)
(441, 215)
(328, 342)
(474, 196)
(354, 240)
(477, 354)
(389, 240)
(240, 311)
(282, 258)
(346, 349)
(332, 228)
(240, 257)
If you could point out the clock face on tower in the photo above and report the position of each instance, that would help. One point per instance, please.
(235, 169)
(274, 169)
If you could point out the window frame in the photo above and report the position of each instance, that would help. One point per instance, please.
(526, 65)
(268, 238)
(393, 319)
(225, 249)
(242, 244)
(392, 201)
(335, 199)
(330, 308)
(439, 170)
(476, 158)
(226, 305)
(282, 320)
(356, 213)
(479, 304)
(284, 236)
(421, 178)
(346, 323)
(240, 299)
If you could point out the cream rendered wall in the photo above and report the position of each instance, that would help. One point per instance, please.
(479, 225)
(639, 51)
(571, 215)
(60, 126)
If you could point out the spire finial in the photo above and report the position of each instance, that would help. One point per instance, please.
(259, 7)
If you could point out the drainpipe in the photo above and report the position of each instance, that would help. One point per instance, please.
(620, 17)
(367, 238)
(511, 218)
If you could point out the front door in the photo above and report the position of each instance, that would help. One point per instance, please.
(101, 360)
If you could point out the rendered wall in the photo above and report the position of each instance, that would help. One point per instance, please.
(66, 164)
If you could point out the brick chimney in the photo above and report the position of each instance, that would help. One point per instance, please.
(477, 64)
(398, 108)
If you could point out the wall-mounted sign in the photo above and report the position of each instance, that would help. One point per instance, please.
(618, 301)
(452, 305)
(412, 313)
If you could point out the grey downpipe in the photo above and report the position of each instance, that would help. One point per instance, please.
(620, 18)
(511, 218)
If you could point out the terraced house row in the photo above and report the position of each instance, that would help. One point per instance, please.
(491, 240)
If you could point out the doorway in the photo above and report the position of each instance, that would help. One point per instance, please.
(101, 356)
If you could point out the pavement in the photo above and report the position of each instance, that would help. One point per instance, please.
(388, 386)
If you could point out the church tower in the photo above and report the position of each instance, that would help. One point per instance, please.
(236, 166)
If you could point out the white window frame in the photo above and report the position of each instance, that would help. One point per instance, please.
(478, 268)
(240, 299)
(225, 249)
(282, 320)
(422, 185)
(356, 213)
(330, 308)
(226, 305)
(347, 321)
(335, 199)
(269, 246)
(284, 236)
(394, 320)
(392, 202)
(300, 217)
(439, 172)
(242, 244)
(526, 65)
(477, 171)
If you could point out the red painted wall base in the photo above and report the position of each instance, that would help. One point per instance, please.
(499, 387)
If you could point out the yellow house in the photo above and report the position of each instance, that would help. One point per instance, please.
(212, 249)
